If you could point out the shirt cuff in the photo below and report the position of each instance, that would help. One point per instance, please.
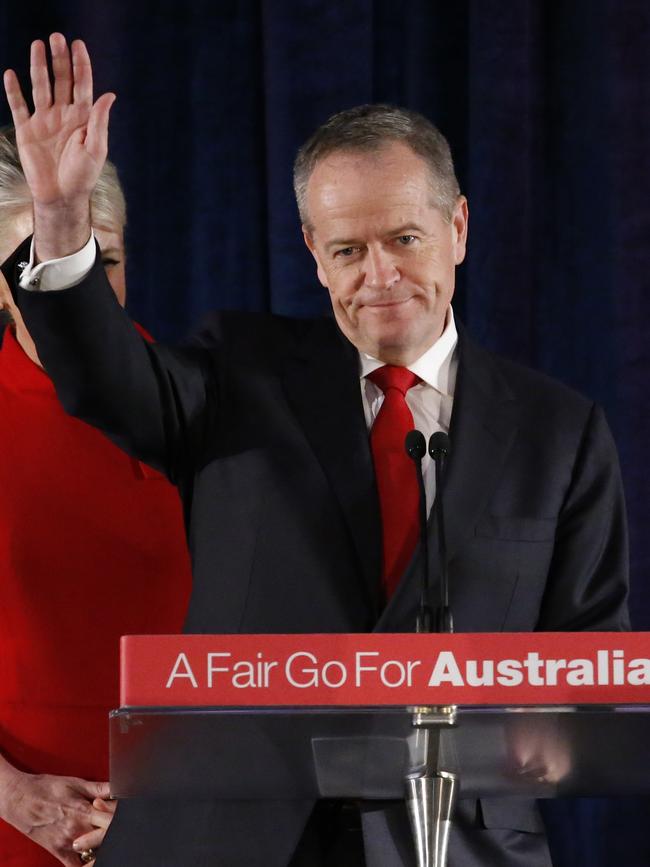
(56, 274)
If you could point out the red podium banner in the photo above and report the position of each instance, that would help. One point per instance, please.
(518, 668)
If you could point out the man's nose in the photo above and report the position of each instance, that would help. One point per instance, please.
(380, 269)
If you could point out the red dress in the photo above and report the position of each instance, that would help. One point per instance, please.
(91, 547)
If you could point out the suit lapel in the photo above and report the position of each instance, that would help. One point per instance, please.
(483, 428)
(322, 385)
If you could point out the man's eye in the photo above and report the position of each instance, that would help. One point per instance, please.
(405, 240)
(346, 251)
(108, 262)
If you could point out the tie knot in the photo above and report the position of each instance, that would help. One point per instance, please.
(389, 376)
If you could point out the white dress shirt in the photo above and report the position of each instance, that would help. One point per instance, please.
(430, 401)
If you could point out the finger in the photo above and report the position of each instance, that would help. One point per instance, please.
(93, 789)
(105, 806)
(100, 819)
(97, 130)
(90, 840)
(41, 90)
(15, 98)
(62, 69)
(68, 856)
(72, 859)
(82, 73)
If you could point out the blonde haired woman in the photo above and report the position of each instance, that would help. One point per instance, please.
(91, 547)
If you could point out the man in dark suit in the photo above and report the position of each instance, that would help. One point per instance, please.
(263, 422)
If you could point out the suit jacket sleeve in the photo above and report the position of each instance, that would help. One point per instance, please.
(588, 579)
(149, 399)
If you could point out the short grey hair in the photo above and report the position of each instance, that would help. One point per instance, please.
(107, 204)
(368, 129)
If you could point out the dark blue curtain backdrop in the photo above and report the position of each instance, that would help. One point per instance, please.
(547, 107)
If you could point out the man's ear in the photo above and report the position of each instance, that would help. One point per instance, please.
(459, 225)
(311, 246)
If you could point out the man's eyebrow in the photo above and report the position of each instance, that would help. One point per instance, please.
(404, 229)
(342, 242)
(111, 251)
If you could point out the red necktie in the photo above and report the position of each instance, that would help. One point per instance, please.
(395, 472)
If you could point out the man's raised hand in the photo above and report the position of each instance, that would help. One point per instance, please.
(62, 145)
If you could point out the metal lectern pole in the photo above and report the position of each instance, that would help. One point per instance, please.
(431, 795)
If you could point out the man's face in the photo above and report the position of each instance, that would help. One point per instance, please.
(386, 255)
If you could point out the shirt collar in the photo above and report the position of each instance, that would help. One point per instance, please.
(434, 367)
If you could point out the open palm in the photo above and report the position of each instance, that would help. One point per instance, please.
(63, 144)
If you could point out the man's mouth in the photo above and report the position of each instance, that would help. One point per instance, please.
(393, 302)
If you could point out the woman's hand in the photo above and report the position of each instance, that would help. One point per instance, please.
(54, 811)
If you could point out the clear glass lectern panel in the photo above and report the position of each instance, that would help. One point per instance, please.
(367, 753)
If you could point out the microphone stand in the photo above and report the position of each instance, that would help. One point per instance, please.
(431, 793)
(416, 448)
(439, 450)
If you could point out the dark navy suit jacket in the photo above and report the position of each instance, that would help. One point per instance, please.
(260, 423)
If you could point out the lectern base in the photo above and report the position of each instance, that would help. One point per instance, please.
(430, 802)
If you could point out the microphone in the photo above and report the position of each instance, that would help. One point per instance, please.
(439, 447)
(416, 448)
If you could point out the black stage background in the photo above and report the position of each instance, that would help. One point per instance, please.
(547, 107)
